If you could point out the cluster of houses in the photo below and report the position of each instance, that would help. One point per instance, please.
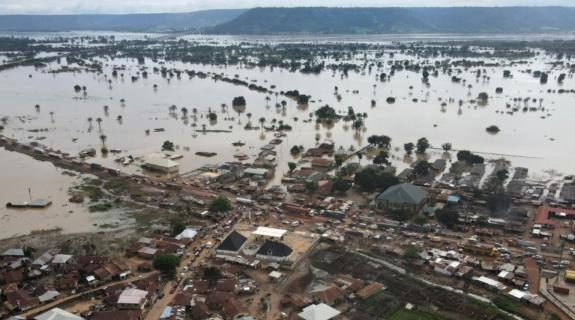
(202, 299)
(28, 281)
(326, 294)
(149, 248)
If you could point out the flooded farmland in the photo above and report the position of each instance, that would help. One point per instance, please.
(136, 114)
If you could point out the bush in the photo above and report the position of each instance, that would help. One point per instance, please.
(493, 129)
(239, 101)
(372, 178)
(168, 146)
(100, 207)
(448, 217)
(469, 157)
(220, 204)
(212, 274)
(167, 264)
(326, 113)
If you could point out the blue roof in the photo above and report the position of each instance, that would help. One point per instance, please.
(166, 313)
(453, 198)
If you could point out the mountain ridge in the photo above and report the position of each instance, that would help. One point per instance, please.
(136, 22)
(330, 20)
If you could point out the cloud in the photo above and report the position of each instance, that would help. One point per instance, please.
(141, 6)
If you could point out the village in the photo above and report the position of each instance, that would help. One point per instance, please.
(329, 242)
(223, 179)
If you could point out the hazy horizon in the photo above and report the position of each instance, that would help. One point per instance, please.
(37, 7)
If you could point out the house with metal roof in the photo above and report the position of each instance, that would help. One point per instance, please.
(188, 234)
(232, 243)
(274, 251)
(318, 312)
(132, 299)
(403, 196)
(57, 314)
(162, 164)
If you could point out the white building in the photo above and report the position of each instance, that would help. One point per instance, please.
(160, 163)
(318, 312)
(133, 299)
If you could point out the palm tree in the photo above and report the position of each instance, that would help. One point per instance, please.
(99, 121)
(173, 108)
(119, 118)
(194, 125)
(103, 139)
(249, 116)
(204, 127)
(52, 115)
(262, 121)
(184, 111)
(37, 107)
(357, 124)
(106, 108)
(90, 122)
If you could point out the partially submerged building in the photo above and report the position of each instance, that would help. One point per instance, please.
(404, 196)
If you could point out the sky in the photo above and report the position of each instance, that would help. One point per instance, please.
(145, 6)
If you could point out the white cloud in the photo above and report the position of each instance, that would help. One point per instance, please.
(136, 6)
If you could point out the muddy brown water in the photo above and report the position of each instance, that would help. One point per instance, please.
(537, 143)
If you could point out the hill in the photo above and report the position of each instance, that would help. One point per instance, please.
(154, 22)
(322, 20)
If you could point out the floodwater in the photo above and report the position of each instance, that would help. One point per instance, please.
(540, 144)
(20, 173)
(539, 140)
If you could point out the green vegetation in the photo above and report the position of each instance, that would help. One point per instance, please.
(410, 253)
(448, 217)
(100, 207)
(168, 146)
(379, 141)
(177, 227)
(326, 113)
(422, 145)
(311, 186)
(239, 101)
(212, 274)
(296, 150)
(483, 97)
(167, 264)
(506, 304)
(339, 159)
(422, 168)
(469, 157)
(372, 178)
(493, 129)
(220, 204)
(115, 185)
(382, 158)
(340, 185)
(408, 147)
(498, 199)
